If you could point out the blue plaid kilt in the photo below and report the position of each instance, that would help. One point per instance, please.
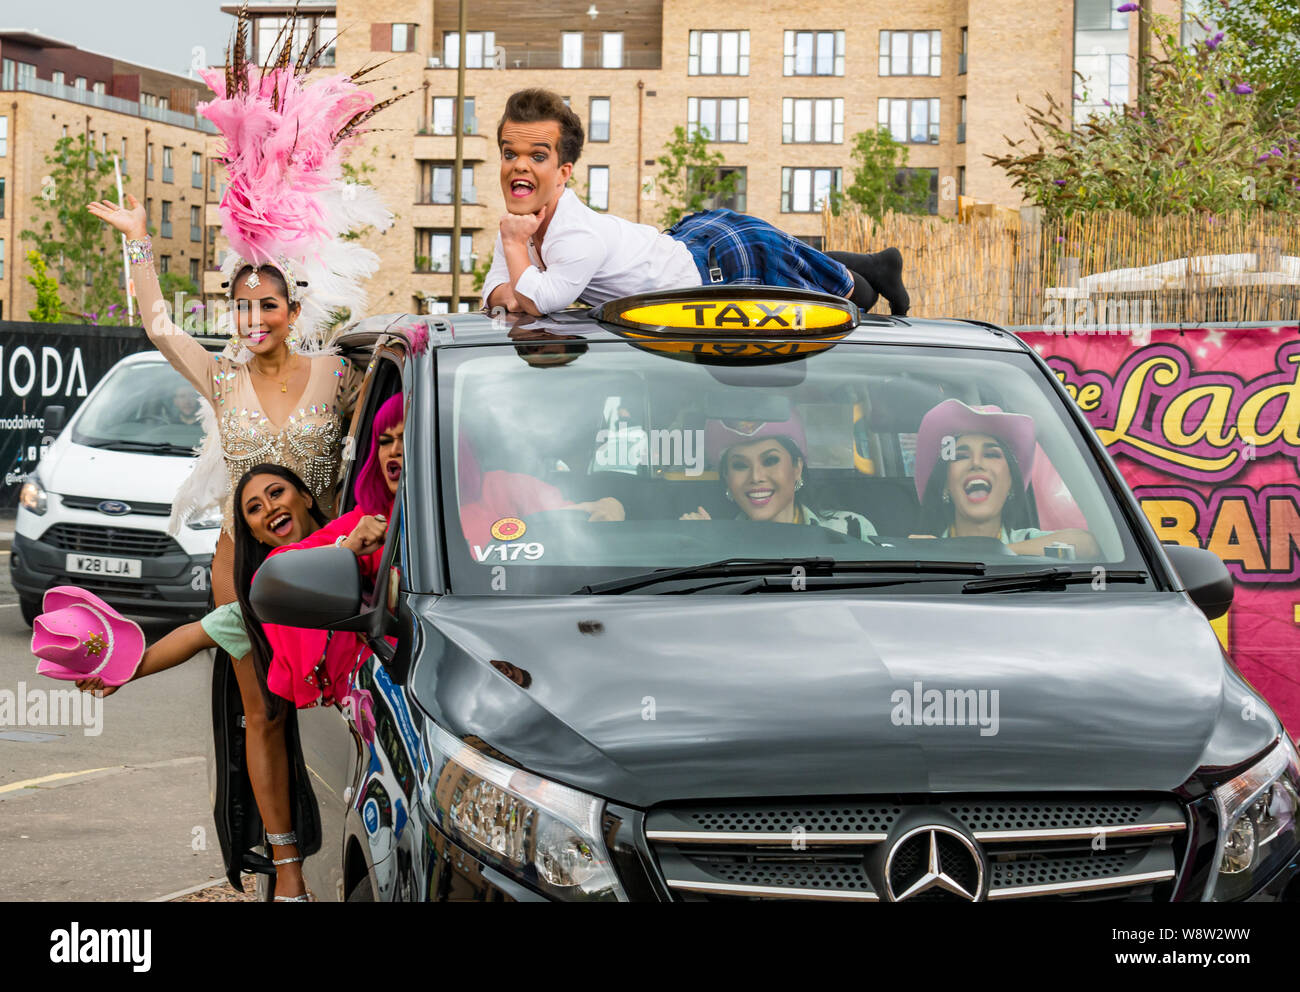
(751, 252)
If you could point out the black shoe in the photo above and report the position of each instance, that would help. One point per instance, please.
(884, 270)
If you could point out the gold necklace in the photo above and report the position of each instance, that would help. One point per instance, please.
(284, 383)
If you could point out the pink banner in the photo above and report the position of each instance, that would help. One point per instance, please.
(1205, 426)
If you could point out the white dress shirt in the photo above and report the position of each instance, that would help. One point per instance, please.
(596, 257)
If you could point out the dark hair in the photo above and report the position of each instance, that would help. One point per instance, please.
(537, 105)
(796, 457)
(249, 555)
(937, 516)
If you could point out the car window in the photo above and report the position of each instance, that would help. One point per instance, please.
(149, 403)
(622, 460)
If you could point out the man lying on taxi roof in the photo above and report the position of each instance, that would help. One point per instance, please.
(552, 249)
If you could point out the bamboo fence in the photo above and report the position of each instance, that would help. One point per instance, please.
(1016, 268)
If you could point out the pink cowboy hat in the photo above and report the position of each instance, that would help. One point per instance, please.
(719, 435)
(953, 418)
(79, 636)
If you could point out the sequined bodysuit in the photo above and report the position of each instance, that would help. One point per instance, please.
(308, 442)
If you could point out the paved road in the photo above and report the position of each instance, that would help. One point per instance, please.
(121, 814)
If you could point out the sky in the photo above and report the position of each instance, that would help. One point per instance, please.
(157, 33)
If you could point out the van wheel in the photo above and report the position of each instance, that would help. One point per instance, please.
(30, 609)
(361, 892)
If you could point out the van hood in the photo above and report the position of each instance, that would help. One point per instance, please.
(674, 698)
(77, 470)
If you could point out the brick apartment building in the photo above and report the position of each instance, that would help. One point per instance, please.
(781, 87)
(50, 89)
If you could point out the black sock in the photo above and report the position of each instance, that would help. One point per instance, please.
(864, 294)
(884, 270)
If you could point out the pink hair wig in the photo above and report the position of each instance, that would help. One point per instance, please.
(371, 488)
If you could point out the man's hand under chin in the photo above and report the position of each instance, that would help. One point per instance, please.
(518, 228)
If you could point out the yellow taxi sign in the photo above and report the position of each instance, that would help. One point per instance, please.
(743, 311)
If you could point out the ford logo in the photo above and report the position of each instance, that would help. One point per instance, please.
(114, 507)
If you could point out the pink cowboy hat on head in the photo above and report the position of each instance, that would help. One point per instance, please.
(79, 636)
(719, 435)
(953, 418)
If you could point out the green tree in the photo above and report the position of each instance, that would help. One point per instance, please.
(48, 309)
(690, 176)
(880, 183)
(174, 286)
(1269, 30)
(481, 272)
(66, 231)
(1198, 143)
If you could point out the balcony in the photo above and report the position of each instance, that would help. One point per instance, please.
(475, 147)
(90, 98)
(553, 58)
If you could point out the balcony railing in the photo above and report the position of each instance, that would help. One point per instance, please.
(449, 130)
(554, 59)
(90, 98)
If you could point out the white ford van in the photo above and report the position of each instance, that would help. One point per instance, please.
(95, 511)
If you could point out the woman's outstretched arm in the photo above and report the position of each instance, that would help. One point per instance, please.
(175, 648)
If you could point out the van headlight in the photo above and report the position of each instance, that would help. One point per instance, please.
(31, 497)
(544, 834)
(207, 520)
(1257, 822)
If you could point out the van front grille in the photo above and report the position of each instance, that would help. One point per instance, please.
(126, 542)
(1063, 848)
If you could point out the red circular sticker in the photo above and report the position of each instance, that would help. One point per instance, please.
(508, 529)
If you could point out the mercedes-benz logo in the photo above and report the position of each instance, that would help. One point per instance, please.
(934, 858)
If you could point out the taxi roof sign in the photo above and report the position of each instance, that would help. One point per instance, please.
(727, 311)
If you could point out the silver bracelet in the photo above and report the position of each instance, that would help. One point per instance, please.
(139, 250)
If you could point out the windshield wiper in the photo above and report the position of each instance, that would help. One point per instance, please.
(127, 445)
(739, 567)
(1045, 578)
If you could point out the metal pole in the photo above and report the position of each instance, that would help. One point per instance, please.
(126, 265)
(459, 166)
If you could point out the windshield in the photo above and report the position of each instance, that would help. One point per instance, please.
(620, 461)
(149, 405)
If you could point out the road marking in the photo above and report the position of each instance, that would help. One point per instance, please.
(29, 783)
(246, 876)
(6, 606)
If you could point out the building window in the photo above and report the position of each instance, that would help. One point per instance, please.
(2, 196)
(805, 190)
(269, 30)
(814, 53)
(148, 208)
(735, 200)
(910, 53)
(902, 176)
(163, 103)
(194, 270)
(91, 157)
(196, 224)
(148, 157)
(480, 49)
(910, 121)
(718, 53)
(164, 265)
(2, 258)
(99, 89)
(1101, 61)
(122, 156)
(961, 180)
(166, 229)
(571, 50)
(961, 119)
(965, 47)
(57, 77)
(433, 250)
(4, 135)
(722, 118)
(436, 304)
(196, 170)
(436, 183)
(404, 38)
(79, 83)
(812, 120)
(444, 113)
(598, 187)
(167, 164)
(598, 128)
(611, 50)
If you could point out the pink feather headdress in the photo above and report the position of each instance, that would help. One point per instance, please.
(286, 202)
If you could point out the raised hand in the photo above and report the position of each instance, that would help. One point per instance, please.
(702, 515)
(520, 227)
(368, 535)
(130, 220)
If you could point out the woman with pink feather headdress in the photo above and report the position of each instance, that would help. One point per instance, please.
(277, 393)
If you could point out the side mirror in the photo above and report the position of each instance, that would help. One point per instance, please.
(1204, 576)
(317, 588)
(55, 418)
